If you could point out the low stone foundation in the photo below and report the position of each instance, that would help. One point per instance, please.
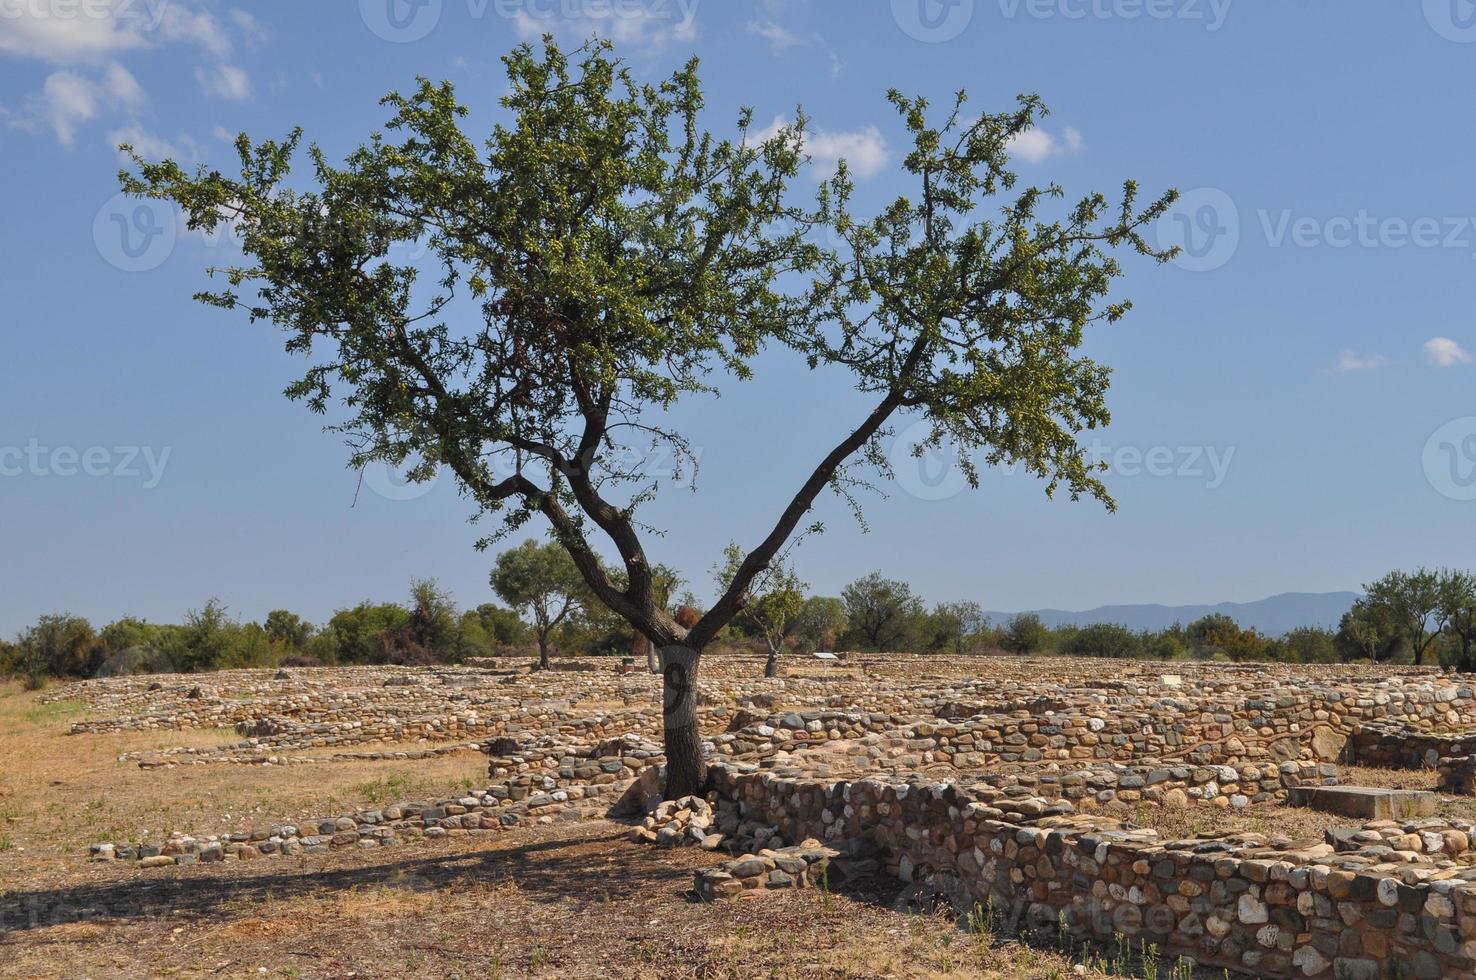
(1314, 912)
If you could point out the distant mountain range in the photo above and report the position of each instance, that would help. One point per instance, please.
(1274, 616)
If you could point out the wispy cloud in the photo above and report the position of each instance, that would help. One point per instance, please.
(647, 27)
(88, 41)
(1352, 361)
(226, 81)
(1037, 145)
(864, 150)
(1444, 352)
(778, 37)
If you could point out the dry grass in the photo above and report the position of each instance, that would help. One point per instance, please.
(568, 900)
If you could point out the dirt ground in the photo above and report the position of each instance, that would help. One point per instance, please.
(566, 900)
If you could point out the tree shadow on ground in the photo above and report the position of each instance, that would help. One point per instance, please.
(558, 870)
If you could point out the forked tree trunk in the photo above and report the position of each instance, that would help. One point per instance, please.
(686, 772)
(542, 653)
(771, 666)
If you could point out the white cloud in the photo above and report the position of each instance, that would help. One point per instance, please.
(226, 81)
(69, 33)
(69, 99)
(647, 27)
(1351, 361)
(153, 147)
(1036, 145)
(779, 39)
(1444, 352)
(864, 150)
(86, 39)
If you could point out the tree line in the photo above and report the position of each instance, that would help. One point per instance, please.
(1417, 617)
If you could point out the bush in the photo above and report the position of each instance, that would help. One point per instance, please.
(1025, 633)
(1104, 640)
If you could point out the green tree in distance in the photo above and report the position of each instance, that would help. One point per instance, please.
(602, 256)
(542, 578)
(1411, 603)
(774, 599)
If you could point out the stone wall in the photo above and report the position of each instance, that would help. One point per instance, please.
(1315, 912)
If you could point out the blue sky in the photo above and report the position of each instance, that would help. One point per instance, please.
(1293, 401)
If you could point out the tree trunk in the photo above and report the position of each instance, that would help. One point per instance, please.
(653, 664)
(685, 770)
(542, 653)
(771, 666)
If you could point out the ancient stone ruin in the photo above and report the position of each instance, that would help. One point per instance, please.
(1004, 782)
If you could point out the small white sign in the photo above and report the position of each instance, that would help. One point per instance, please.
(825, 656)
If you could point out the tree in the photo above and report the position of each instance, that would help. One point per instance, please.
(1104, 640)
(287, 629)
(1219, 635)
(1024, 633)
(1411, 602)
(1367, 632)
(360, 635)
(821, 622)
(772, 603)
(955, 626)
(502, 627)
(1458, 612)
(543, 578)
(882, 613)
(60, 646)
(1310, 645)
(601, 256)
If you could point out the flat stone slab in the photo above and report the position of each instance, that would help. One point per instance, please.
(1368, 802)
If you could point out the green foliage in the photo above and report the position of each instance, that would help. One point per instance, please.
(1402, 609)
(883, 614)
(59, 646)
(1024, 633)
(1104, 640)
(1309, 645)
(1217, 636)
(772, 601)
(360, 635)
(821, 623)
(955, 627)
(287, 629)
(601, 256)
(543, 579)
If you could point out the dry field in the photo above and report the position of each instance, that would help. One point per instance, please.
(569, 900)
